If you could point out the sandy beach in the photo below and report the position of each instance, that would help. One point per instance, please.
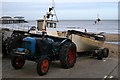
(113, 48)
(112, 37)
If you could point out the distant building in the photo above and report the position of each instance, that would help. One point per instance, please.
(6, 17)
(10, 20)
(19, 18)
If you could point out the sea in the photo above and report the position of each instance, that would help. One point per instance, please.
(106, 26)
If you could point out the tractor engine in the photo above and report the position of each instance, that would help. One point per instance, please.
(36, 46)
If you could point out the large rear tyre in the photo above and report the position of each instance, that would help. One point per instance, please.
(17, 62)
(15, 38)
(43, 66)
(12, 42)
(4, 47)
(68, 55)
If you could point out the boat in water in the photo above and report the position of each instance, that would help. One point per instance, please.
(97, 20)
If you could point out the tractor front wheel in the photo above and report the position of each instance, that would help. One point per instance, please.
(68, 55)
(43, 66)
(17, 62)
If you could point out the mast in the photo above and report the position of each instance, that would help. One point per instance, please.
(51, 13)
(97, 15)
(53, 3)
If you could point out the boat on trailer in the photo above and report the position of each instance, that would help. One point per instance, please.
(84, 41)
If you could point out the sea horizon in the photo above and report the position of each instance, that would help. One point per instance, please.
(107, 26)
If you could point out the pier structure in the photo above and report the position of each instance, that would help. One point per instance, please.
(10, 20)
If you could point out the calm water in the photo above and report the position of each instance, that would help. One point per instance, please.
(103, 26)
(107, 26)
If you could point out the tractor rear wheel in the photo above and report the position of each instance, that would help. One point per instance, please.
(13, 42)
(17, 62)
(68, 55)
(43, 66)
(4, 47)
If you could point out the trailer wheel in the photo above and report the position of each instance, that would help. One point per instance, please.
(105, 52)
(100, 54)
(68, 55)
(43, 66)
(17, 62)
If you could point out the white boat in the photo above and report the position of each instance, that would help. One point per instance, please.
(83, 40)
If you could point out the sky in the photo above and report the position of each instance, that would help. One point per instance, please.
(65, 9)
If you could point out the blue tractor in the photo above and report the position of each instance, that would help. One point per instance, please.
(44, 50)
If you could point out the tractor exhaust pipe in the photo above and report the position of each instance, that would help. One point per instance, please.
(44, 28)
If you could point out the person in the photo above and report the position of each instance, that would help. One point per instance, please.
(95, 21)
(85, 30)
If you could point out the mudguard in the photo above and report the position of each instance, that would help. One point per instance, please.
(65, 40)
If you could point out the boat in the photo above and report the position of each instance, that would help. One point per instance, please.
(84, 40)
(97, 20)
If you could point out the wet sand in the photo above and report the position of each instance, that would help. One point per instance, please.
(113, 48)
(112, 37)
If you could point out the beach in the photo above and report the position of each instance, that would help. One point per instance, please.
(113, 48)
(112, 37)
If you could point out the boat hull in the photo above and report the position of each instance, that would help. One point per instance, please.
(82, 43)
(85, 44)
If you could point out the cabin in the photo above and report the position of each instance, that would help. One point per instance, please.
(49, 24)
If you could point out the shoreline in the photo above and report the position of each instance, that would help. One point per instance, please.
(112, 37)
(113, 48)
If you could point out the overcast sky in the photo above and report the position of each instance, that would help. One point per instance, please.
(65, 9)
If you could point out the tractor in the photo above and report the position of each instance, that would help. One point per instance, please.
(44, 50)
